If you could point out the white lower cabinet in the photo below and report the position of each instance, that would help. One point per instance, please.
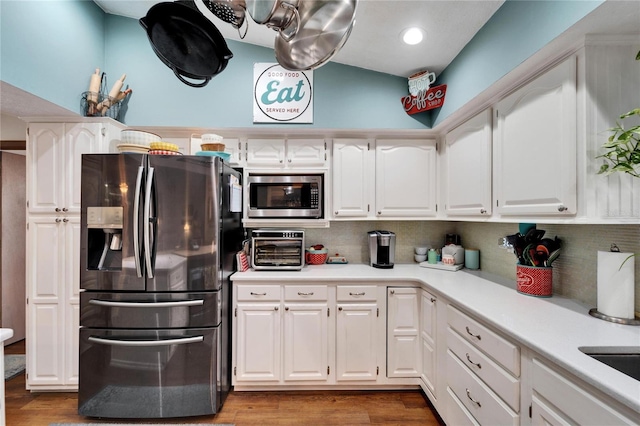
(305, 334)
(428, 339)
(560, 399)
(403, 332)
(356, 333)
(482, 373)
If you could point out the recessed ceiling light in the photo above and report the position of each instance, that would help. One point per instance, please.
(412, 35)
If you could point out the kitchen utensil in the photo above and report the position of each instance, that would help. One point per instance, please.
(323, 29)
(279, 15)
(230, 11)
(186, 41)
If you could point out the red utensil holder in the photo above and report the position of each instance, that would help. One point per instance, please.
(534, 280)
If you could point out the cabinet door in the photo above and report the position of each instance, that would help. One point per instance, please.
(535, 146)
(405, 178)
(428, 338)
(356, 342)
(305, 341)
(306, 153)
(265, 152)
(233, 147)
(258, 342)
(353, 174)
(71, 286)
(403, 339)
(45, 171)
(467, 168)
(46, 340)
(80, 138)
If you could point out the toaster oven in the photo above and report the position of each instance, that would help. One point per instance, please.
(277, 249)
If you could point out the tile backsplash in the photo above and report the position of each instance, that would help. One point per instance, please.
(574, 272)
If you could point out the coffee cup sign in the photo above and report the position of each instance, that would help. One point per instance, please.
(420, 82)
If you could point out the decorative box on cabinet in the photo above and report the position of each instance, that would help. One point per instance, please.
(534, 133)
(403, 335)
(482, 370)
(467, 168)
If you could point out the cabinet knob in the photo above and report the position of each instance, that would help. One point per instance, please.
(392, 292)
(58, 209)
(65, 220)
(64, 209)
(340, 308)
(379, 212)
(433, 300)
(482, 211)
(562, 208)
(57, 220)
(286, 308)
(289, 160)
(336, 213)
(281, 161)
(275, 308)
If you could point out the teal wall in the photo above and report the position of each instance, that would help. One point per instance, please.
(51, 48)
(515, 32)
(344, 97)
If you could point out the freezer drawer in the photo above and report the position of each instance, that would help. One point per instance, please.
(150, 310)
(149, 373)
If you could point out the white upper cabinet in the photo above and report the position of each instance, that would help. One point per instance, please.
(281, 153)
(406, 178)
(55, 160)
(467, 168)
(353, 175)
(535, 146)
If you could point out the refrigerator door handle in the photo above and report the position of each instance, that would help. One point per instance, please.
(171, 304)
(136, 219)
(147, 223)
(147, 343)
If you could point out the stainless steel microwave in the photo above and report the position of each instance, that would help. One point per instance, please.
(285, 196)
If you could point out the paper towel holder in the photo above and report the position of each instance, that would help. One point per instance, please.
(624, 321)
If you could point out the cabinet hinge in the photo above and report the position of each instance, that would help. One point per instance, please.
(328, 309)
(328, 370)
(377, 371)
(27, 300)
(377, 312)
(497, 203)
(325, 146)
(234, 371)
(325, 156)
(27, 131)
(235, 312)
(436, 207)
(103, 131)
(368, 208)
(530, 411)
(368, 146)
(239, 145)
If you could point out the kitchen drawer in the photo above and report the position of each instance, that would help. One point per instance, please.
(357, 293)
(457, 414)
(255, 293)
(485, 406)
(504, 352)
(501, 382)
(573, 400)
(305, 292)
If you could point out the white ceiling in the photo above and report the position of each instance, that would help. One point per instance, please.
(375, 41)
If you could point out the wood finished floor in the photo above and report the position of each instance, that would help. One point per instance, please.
(24, 408)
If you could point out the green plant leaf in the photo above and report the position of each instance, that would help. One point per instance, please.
(635, 111)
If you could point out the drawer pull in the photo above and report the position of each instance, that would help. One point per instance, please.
(361, 294)
(433, 300)
(258, 294)
(305, 294)
(474, 363)
(477, 336)
(473, 400)
(275, 308)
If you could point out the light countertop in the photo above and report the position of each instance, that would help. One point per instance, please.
(555, 327)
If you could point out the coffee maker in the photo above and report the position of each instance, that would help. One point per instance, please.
(382, 249)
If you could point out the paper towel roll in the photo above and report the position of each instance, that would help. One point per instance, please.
(615, 284)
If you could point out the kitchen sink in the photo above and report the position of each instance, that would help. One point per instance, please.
(625, 359)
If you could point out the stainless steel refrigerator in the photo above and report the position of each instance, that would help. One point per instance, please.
(159, 235)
